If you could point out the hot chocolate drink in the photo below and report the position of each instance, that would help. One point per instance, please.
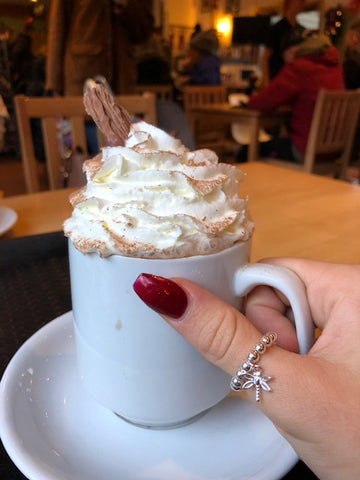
(151, 197)
(152, 206)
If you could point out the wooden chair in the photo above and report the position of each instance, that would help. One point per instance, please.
(207, 134)
(195, 95)
(49, 110)
(331, 135)
(162, 92)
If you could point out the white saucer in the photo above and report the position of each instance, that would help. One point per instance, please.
(8, 218)
(53, 431)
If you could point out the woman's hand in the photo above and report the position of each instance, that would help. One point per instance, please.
(315, 398)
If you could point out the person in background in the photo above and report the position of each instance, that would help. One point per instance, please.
(351, 67)
(351, 62)
(197, 29)
(154, 60)
(311, 64)
(4, 117)
(22, 57)
(272, 59)
(202, 65)
(87, 38)
(28, 76)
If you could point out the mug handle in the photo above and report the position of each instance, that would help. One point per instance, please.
(288, 283)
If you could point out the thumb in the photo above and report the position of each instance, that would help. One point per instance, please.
(217, 330)
(225, 337)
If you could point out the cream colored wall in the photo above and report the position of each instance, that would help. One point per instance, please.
(180, 19)
(248, 7)
(181, 12)
(187, 12)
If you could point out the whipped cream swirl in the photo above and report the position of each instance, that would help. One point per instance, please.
(153, 198)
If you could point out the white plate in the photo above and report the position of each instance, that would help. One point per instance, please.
(53, 431)
(8, 218)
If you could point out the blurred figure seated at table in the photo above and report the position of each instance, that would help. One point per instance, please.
(153, 60)
(311, 64)
(202, 64)
(352, 56)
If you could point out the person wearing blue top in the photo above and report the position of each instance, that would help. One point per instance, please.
(202, 66)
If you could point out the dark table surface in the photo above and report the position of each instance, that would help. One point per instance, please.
(34, 289)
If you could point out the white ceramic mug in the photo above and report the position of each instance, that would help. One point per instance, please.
(133, 362)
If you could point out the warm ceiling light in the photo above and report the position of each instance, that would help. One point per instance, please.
(223, 26)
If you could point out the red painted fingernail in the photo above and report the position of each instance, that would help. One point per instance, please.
(162, 295)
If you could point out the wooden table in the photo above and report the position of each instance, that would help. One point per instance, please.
(40, 212)
(303, 215)
(254, 119)
(296, 214)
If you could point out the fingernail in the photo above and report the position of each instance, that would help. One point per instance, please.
(162, 295)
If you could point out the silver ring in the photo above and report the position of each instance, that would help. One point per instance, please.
(250, 374)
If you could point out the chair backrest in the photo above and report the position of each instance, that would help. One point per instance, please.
(49, 110)
(195, 95)
(162, 92)
(207, 134)
(332, 132)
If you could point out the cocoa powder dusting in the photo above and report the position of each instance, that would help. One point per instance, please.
(77, 197)
(112, 119)
(93, 165)
(213, 228)
(85, 245)
(206, 186)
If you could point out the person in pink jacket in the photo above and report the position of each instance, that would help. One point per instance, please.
(310, 65)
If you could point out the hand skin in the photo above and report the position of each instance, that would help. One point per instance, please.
(315, 398)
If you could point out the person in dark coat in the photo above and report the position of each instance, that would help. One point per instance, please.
(351, 62)
(351, 67)
(272, 60)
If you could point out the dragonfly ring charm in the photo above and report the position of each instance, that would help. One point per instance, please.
(250, 374)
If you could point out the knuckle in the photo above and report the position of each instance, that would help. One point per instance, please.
(217, 337)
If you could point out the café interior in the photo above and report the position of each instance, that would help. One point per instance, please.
(306, 208)
(241, 28)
